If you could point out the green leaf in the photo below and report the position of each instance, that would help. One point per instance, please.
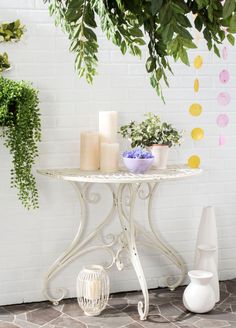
(150, 64)
(135, 31)
(155, 6)
(216, 50)
(229, 7)
(231, 39)
(184, 56)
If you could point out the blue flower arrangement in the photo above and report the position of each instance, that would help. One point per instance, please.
(137, 153)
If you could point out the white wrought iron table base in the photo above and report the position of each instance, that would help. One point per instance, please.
(125, 189)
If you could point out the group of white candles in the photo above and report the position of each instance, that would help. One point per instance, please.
(100, 150)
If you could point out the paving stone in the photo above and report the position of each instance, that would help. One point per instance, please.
(42, 315)
(65, 321)
(219, 315)
(169, 309)
(109, 318)
(17, 309)
(7, 325)
(72, 309)
(6, 315)
(231, 286)
(25, 324)
(118, 303)
(211, 323)
(134, 325)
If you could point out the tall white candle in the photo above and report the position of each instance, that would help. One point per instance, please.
(89, 151)
(108, 126)
(109, 157)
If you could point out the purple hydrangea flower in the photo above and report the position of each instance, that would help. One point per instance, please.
(137, 153)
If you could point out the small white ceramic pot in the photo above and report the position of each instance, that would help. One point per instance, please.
(160, 153)
(199, 296)
(206, 261)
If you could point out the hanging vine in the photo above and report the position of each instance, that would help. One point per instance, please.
(128, 24)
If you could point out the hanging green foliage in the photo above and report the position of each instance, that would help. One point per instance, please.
(4, 62)
(21, 130)
(165, 27)
(11, 31)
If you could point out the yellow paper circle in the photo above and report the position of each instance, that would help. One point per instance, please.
(196, 85)
(195, 109)
(194, 161)
(197, 134)
(198, 61)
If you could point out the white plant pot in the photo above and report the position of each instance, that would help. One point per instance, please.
(206, 261)
(160, 153)
(199, 296)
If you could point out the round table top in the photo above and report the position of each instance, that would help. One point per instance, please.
(172, 172)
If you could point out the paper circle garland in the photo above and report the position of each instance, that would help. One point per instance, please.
(224, 76)
(196, 85)
(195, 109)
(223, 98)
(222, 140)
(197, 133)
(198, 61)
(222, 120)
(224, 53)
(194, 161)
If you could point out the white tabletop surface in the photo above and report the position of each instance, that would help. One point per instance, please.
(173, 172)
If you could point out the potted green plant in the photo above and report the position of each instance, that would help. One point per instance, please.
(154, 134)
(21, 129)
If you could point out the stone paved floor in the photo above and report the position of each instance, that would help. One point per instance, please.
(166, 311)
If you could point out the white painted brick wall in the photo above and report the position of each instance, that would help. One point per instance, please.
(30, 241)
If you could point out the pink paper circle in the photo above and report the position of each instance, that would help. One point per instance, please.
(222, 120)
(223, 98)
(224, 53)
(224, 76)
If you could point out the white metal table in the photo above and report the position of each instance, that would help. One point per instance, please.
(125, 188)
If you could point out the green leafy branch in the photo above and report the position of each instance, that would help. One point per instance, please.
(166, 25)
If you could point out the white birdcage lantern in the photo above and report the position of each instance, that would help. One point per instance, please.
(93, 289)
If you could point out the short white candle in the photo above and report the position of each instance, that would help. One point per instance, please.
(89, 151)
(109, 157)
(108, 126)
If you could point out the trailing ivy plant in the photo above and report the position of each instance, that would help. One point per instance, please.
(21, 129)
(165, 24)
(11, 31)
(4, 62)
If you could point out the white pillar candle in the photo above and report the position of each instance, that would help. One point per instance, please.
(108, 126)
(109, 157)
(89, 151)
(93, 289)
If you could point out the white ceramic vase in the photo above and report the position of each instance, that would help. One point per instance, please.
(206, 261)
(207, 233)
(199, 296)
(160, 153)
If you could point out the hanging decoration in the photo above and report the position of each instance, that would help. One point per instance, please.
(195, 109)
(223, 99)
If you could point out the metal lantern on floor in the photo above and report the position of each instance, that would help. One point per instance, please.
(93, 289)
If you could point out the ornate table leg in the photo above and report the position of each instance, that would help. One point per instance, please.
(156, 241)
(79, 245)
(128, 227)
